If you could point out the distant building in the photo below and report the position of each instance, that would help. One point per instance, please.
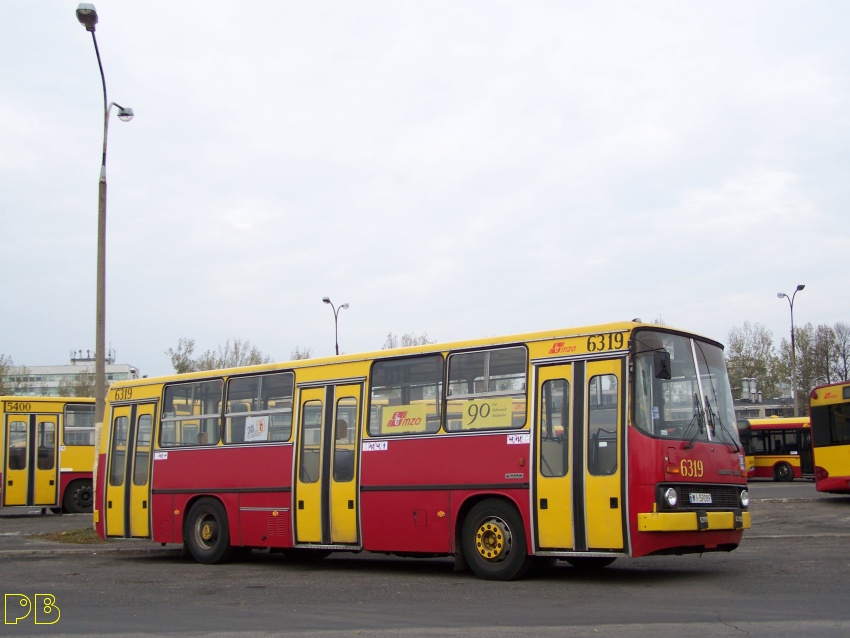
(752, 405)
(47, 380)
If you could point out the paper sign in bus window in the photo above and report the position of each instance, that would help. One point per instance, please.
(403, 418)
(256, 428)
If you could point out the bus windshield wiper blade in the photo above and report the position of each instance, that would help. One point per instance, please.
(723, 427)
(698, 419)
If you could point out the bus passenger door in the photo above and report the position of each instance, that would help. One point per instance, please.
(553, 496)
(30, 472)
(128, 475)
(140, 476)
(16, 466)
(325, 499)
(603, 474)
(46, 475)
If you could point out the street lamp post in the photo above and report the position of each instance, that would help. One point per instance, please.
(793, 348)
(87, 15)
(327, 300)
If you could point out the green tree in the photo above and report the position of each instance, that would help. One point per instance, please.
(78, 385)
(407, 339)
(234, 353)
(750, 354)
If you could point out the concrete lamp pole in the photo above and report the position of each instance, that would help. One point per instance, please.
(327, 300)
(793, 348)
(87, 15)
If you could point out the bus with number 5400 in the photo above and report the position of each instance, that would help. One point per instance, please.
(47, 445)
(582, 445)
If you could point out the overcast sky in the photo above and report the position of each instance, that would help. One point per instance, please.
(461, 169)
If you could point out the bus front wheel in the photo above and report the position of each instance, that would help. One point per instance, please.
(493, 541)
(783, 472)
(207, 535)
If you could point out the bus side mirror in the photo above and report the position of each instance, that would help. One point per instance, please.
(661, 361)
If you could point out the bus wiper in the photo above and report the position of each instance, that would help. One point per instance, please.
(713, 417)
(699, 419)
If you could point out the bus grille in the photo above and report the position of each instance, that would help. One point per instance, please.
(722, 496)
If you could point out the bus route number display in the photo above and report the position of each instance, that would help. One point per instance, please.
(488, 413)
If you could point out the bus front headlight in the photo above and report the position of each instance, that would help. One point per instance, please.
(745, 499)
(671, 497)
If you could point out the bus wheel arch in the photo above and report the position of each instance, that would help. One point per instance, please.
(206, 531)
(783, 472)
(493, 540)
(78, 497)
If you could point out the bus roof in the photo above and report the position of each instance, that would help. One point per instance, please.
(530, 337)
(779, 423)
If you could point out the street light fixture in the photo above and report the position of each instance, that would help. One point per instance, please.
(87, 15)
(327, 300)
(793, 348)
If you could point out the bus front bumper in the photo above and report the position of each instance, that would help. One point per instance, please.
(693, 521)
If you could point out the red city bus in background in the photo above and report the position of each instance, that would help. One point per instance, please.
(582, 445)
(779, 448)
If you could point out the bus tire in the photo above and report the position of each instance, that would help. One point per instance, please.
(207, 534)
(783, 472)
(78, 498)
(493, 541)
(589, 563)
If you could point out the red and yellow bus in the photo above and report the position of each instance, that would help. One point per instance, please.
(582, 445)
(778, 448)
(829, 408)
(48, 453)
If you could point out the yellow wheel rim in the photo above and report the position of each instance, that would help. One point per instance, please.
(492, 540)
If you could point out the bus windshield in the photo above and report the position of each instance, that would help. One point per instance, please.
(695, 402)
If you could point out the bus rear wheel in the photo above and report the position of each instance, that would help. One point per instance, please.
(783, 472)
(78, 498)
(493, 541)
(207, 535)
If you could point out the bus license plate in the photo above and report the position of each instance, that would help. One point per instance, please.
(699, 498)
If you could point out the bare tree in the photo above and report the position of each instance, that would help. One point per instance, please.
(407, 339)
(842, 350)
(299, 353)
(77, 385)
(6, 366)
(12, 377)
(181, 358)
(233, 353)
(825, 368)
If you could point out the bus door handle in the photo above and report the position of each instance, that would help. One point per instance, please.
(615, 502)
